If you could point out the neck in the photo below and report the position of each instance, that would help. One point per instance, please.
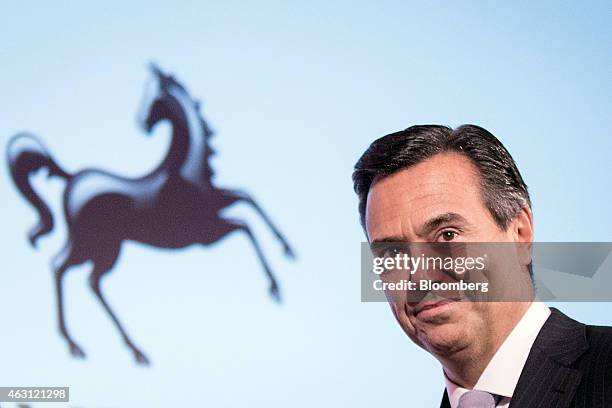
(179, 145)
(465, 367)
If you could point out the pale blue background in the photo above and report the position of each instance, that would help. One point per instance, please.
(295, 92)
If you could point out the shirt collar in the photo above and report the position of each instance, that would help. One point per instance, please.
(503, 371)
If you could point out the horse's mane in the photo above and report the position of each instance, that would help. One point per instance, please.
(207, 170)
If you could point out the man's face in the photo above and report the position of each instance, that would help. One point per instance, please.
(438, 200)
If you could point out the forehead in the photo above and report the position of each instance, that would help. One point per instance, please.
(445, 183)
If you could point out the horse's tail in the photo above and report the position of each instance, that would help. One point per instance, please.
(25, 155)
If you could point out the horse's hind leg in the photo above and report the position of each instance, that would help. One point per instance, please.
(61, 263)
(101, 267)
(233, 225)
(244, 196)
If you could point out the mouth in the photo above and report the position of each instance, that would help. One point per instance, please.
(432, 307)
(146, 125)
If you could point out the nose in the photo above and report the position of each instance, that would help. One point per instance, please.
(143, 121)
(430, 267)
(148, 125)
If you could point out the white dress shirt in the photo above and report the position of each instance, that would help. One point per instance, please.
(503, 371)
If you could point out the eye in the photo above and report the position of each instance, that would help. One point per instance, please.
(448, 235)
(390, 252)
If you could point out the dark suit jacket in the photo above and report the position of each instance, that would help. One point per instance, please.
(569, 366)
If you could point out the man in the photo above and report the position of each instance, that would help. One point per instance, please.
(435, 184)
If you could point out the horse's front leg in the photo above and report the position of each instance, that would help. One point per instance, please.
(246, 197)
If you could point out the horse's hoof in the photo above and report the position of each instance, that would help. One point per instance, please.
(141, 358)
(275, 293)
(76, 351)
(289, 252)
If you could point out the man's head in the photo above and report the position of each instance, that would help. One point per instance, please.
(436, 184)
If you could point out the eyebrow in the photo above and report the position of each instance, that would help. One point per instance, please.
(427, 228)
(388, 240)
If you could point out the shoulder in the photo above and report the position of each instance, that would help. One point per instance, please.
(600, 331)
(596, 364)
(573, 343)
(594, 360)
(600, 340)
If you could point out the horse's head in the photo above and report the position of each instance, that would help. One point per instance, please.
(163, 96)
(166, 99)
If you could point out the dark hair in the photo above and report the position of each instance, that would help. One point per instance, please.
(503, 189)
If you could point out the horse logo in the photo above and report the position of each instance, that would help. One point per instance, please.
(174, 206)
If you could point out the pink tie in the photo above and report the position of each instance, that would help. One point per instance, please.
(476, 399)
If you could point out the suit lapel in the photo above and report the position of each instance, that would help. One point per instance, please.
(547, 380)
(445, 401)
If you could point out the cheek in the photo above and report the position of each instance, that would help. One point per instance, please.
(399, 311)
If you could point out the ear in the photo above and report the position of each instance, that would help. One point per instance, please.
(522, 231)
(156, 70)
(522, 226)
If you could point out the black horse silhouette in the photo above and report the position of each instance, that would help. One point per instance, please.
(174, 206)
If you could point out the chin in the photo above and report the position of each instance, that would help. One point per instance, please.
(447, 332)
(445, 339)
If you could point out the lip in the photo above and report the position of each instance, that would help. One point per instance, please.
(431, 308)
